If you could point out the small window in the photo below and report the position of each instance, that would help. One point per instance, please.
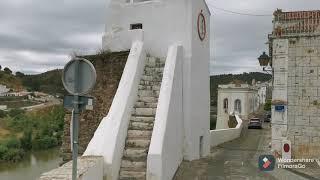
(225, 105)
(237, 106)
(136, 26)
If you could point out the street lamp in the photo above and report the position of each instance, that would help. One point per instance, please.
(265, 62)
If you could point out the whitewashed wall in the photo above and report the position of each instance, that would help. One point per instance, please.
(232, 94)
(196, 87)
(220, 136)
(166, 22)
(166, 148)
(109, 139)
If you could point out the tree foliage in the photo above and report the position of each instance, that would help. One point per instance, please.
(7, 70)
(228, 78)
(42, 129)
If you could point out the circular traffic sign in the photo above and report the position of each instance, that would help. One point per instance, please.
(79, 76)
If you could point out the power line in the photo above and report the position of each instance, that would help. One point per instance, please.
(239, 13)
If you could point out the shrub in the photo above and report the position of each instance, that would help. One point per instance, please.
(26, 140)
(13, 155)
(2, 114)
(3, 150)
(16, 112)
(44, 142)
(13, 142)
(267, 106)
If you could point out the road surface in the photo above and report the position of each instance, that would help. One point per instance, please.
(236, 160)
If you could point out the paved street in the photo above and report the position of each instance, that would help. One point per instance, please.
(236, 160)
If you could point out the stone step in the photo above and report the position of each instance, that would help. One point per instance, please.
(151, 61)
(138, 143)
(155, 59)
(139, 134)
(151, 78)
(135, 154)
(153, 71)
(148, 99)
(146, 119)
(132, 175)
(145, 105)
(133, 165)
(150, 83)
(140, 126)
(149, 88)
(155, 64)
(144, 111)
(146, 93)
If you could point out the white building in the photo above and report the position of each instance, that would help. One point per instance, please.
(241, 99)
(3, 90)
(178, 32)
(294, 48)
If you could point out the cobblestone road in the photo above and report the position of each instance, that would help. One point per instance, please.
(236, 160)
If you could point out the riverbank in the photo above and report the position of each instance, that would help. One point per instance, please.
(22, 132)
(32, 165)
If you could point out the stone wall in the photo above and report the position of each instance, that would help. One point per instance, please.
(109, 67)
(303, 96)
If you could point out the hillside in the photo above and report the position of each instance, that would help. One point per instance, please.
(10, 81)
(227, 78)
(48, 82)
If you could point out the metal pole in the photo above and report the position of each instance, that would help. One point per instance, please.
(75, 124)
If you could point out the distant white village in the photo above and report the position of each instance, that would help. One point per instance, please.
(35, 96)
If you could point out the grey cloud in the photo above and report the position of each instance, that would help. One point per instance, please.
(37, 35)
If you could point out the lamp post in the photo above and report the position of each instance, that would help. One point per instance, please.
(266, 63)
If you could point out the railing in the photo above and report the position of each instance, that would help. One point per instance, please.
(166, 148)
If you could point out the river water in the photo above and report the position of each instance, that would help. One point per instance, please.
(33, 165)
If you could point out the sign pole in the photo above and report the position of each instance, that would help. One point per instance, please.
(75, 121)
(78, 78)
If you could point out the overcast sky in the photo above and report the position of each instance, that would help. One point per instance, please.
(39, 35)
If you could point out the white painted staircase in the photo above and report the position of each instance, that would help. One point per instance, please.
(134, 160)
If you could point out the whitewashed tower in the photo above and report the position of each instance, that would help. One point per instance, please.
(160, 23)
(177, 32)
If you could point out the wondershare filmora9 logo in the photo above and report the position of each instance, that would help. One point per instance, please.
(266, 162)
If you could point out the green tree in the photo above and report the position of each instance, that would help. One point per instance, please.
(13, 143)
(2, 114)
(267, 106)
(16, 112)
(3, 150)
(26, 140)
(7, 70)
(19, 74)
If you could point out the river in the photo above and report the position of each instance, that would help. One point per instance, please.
(33, 165)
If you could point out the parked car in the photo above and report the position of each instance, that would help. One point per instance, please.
(267, 117)
(255, 123)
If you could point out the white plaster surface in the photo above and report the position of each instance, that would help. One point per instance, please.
(109, 138)
(224, 135)
(166, 22)
(246, 94)
(166, 148)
